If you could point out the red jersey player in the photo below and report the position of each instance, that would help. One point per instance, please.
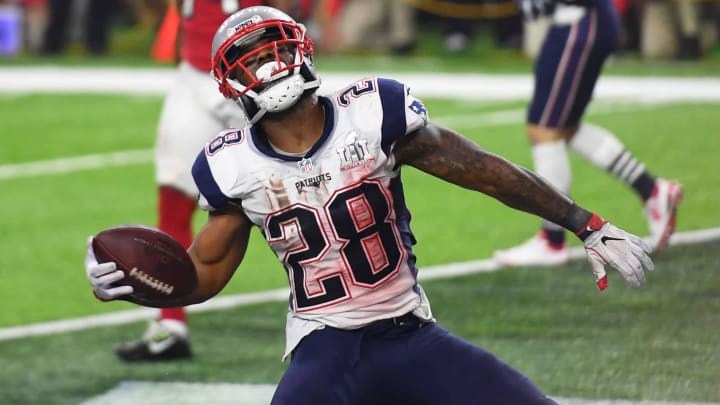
(193, 112)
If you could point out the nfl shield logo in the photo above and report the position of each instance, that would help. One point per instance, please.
(305, 165)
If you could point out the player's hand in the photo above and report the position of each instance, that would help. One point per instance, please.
(606, 244)
(532, 9)
(102, 276)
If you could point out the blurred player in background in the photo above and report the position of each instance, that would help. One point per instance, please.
(96, 25)
(192, 113)
(321, 179)
(581, 37)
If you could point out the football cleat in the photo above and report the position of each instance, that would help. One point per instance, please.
(157, 344)
(661, 212)
(535, 252)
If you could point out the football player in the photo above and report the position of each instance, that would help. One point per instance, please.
(193, 112)
(583, 34)
(319, 176)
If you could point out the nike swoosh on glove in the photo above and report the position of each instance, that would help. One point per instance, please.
(102, 276)
(606, 244)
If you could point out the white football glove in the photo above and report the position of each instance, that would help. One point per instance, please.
(102, 275)
(606, 244)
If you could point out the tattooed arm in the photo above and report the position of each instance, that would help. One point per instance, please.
(452, 157)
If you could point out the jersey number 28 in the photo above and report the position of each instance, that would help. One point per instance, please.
(371, 249)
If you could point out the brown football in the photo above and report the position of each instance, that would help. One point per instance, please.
(155, 265)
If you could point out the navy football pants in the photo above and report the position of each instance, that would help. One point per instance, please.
(389, 364)
(569, 64)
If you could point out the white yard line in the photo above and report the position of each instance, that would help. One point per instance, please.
(517, 115)
(281, 294)
(161, 393)
(49, 79)
(76, 163)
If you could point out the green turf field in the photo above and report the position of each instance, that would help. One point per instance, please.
(655, 343)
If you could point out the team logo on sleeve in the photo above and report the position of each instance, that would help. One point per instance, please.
(354, 153)
(418, 108)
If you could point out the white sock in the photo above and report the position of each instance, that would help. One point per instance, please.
(551, 163)
(604, 150)
(175, 327)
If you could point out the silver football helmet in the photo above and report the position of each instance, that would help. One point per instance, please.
(276, 85)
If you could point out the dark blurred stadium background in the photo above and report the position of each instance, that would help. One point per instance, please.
(125, 30)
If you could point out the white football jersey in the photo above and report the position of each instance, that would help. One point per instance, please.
(336, 216)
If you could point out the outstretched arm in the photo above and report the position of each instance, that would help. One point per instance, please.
(454, 158)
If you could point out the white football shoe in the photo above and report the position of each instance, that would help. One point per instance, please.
(661, 210)
(535, 252)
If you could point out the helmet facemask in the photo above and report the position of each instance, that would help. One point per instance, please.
(278, 83)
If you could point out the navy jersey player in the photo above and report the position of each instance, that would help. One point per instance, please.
(319, 176)
(581, 37)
